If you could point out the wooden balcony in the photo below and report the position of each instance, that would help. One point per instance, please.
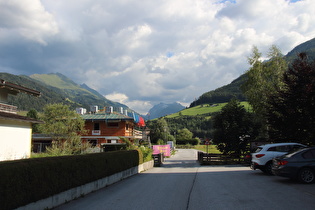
(8, 108)
(137, 134)
(96, 132)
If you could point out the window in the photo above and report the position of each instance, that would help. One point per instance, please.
(258, 149)
(310, 154)
(272, 149)
(112, 141)
(127, 126)
(96, 126)
(93, 142)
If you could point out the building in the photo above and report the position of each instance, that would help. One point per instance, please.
(15, 130)
(107, 129)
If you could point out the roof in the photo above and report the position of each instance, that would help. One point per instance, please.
(279, 144)
(106, 116)
(11, 116)
(18, 88)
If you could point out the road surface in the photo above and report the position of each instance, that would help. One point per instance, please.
(181, 183)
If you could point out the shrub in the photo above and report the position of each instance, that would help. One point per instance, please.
(29, 180)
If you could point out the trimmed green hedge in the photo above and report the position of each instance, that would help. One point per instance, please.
(29, 180)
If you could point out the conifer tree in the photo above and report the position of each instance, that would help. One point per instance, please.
(291, 111)
(230, 125)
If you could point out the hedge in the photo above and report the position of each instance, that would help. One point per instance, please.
(29, 180)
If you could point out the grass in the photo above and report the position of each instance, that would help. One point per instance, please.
(205, 109)
(211, 149)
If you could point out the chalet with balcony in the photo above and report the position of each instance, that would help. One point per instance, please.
(106, 128)
(15, 130)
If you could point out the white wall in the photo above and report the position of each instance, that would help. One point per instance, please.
(15, 139)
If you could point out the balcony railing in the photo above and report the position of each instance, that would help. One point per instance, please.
(96, 132)
(8, 108)
(137, 134)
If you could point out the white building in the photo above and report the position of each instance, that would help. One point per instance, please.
(15, 130)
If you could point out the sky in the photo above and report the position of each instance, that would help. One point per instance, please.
(141, 53)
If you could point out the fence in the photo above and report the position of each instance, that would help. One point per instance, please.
(216, 159)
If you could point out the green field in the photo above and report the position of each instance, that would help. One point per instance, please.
(211, 149)
(204, 109)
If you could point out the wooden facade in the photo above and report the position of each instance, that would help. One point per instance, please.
(108, 128)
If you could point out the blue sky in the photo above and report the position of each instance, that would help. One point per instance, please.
(141, 53)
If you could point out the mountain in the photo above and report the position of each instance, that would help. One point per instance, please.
(81, 94)
(162, 109)
(55, 88)
(308, 47)
(232, 90)
(222, 94)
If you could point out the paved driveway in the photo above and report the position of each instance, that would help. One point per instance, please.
(181, 183)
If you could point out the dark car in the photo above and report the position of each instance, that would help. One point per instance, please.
(298, 165)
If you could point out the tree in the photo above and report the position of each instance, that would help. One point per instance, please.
(184, 134)
(291, 110)
(65, 127)
(230, 125)
(263, 79)
(33, 114)
(159, 131)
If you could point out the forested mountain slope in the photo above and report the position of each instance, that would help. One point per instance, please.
(232, 90)
(55, 88)
(162, 109)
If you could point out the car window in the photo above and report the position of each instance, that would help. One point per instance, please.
(294, 151)
(272, 149)
(258, 149)
(296, 148)
(310, 154)
(285, 148)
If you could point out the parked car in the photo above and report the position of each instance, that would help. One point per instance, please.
(262, 157)
(298, 165)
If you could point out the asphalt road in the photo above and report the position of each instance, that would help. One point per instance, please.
(181, 183)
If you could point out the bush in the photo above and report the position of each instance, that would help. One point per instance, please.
(29, 180)
(194, 141)
(146, 153)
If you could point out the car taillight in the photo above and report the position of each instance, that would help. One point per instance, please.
(259, 155)
(282, 162)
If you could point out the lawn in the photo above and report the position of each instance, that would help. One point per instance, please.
(211, 149)
(205, 109)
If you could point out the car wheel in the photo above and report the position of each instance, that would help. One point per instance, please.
(306, 175)
(268, 168)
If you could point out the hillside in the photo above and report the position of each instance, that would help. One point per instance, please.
(162, 109)
(307, 47)
(222, 94)
(55, 88)
(197, 119)
(204, 110)
(232, 90)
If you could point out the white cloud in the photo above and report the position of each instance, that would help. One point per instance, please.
(141, 106)
(145, 52)
(27, 18)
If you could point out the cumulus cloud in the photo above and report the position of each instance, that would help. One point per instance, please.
(27, 18)
(141, 53)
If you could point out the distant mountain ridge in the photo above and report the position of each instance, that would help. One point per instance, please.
(55, 88)
(232, 90)
(162, 109)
